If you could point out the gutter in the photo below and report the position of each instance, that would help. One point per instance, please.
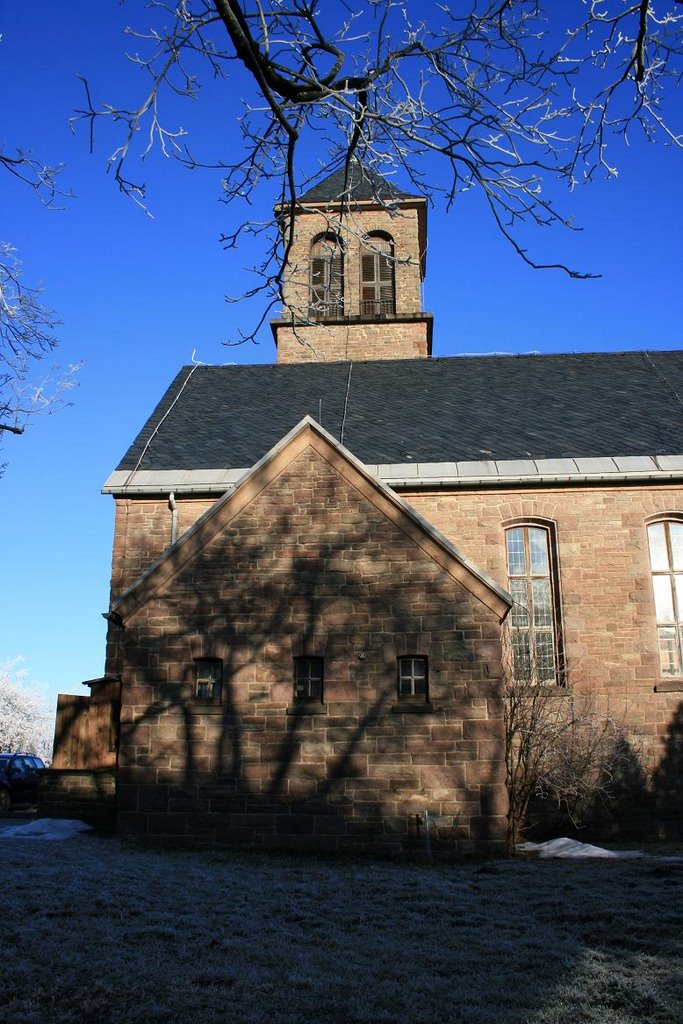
(201, 482)
(461, 482)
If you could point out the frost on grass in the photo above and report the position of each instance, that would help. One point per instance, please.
(135, 936)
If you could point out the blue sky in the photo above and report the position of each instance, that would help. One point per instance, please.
(138, 295)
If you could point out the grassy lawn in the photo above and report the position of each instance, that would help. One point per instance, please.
(93, 930)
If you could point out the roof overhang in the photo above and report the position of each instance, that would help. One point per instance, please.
(643, 469)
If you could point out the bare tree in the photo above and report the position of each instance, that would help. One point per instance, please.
(26, 326)
(499, 96)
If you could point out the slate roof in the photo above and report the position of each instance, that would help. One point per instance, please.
(362, 185)
(423, 410)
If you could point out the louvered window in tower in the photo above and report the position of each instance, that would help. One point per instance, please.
(378, 293)
(327, 278)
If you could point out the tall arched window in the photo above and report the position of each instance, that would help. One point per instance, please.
(665, 540)
(534, 620)
(327, 277)
(378, 291)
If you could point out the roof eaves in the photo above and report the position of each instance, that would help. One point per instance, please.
(424, 475)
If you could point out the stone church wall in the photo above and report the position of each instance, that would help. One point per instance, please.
(311, 567)
(388, 338)
(407, 335)
(401, 225)
(607, 607)
(607, 604)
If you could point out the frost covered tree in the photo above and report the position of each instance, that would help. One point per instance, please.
(26, 723)
(27, 327)
(500, 97)
(26, 338)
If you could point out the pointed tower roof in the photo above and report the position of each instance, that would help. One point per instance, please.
(357, 184)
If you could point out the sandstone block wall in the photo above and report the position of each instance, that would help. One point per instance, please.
(607, 606)
(311, 567)
(407, 336)
(607, 603)
(351, 227)
(387, 338)
(142, 532)
(88, 796)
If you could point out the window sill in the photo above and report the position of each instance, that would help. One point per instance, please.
(206, 707)
(307, 707)
(545, 689)
(670, 686)
(412, 709)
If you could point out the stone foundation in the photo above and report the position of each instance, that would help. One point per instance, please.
(88, 796)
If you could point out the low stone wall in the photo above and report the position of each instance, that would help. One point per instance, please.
(88, 796)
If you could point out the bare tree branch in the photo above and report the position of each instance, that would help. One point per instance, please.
(26, 338)
(26, 326)
(502, 100)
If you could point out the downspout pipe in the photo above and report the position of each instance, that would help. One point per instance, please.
(174, 517)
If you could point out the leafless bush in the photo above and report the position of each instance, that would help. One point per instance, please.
(563, 746)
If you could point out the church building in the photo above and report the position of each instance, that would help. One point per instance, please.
(325, 569)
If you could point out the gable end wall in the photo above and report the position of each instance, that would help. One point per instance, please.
(310, 566)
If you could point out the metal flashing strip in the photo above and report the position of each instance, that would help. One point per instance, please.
(184, 481)
(533, 472)
(425, 475)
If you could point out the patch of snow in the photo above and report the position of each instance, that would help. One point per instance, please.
(572, 848)
(46, 828)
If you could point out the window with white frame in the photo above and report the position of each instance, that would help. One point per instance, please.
(534, 619)
(665, 540)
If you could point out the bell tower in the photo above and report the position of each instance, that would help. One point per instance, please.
(352, 286)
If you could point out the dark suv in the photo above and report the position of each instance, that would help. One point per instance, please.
(19, 779)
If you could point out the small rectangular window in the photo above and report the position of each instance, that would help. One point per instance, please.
(208, 679)
(412, 678)
(308, 679)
